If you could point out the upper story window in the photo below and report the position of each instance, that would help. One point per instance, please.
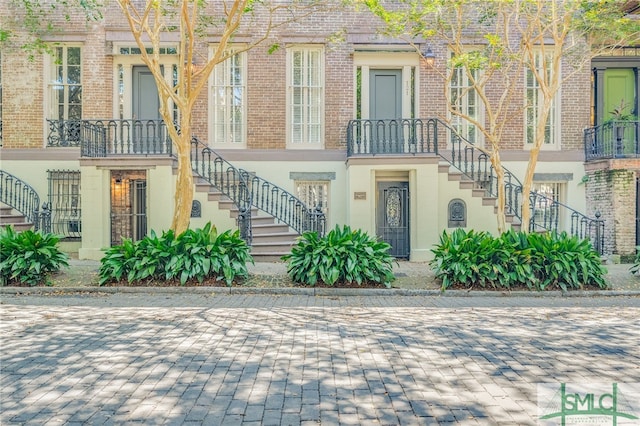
(65, 84)
(534, 100)
(305, 82)
(228, 115)
(464, 100)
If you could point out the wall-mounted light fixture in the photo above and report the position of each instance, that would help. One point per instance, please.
(429, 57)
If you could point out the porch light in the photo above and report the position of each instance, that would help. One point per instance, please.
(429, 57)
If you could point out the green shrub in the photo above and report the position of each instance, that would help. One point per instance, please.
(560, 260)
(537, 261)
(635, 268)
(193, 255)
(342, 256)
(27, 257)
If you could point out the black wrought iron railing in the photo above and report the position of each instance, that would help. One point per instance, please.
(548, 214)
(21, 196)
(247, 191)
(286, 207)
(0, 133)
(64, 133)
(102, 138)
(413, 136)
(228, 179)
(615, 139)
(395, 136)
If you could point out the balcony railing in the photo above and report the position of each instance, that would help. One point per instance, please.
(615, 139)
(397, 136)
(64, 133)
(102, 138)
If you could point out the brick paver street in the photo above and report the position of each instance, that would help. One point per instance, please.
(289, 360)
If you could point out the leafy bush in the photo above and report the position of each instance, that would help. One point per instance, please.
(27, 257)
(635, 268)
(193, 255)
(343, 256)
(537, 261)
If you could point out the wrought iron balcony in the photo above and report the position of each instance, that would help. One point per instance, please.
(397, 136)
(615, 139)
(102, 138)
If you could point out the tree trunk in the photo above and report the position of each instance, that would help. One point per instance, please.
(497, 166)
(526, 186)
(183, 197)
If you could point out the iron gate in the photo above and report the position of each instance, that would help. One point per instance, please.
(128, 206)
(393, 217)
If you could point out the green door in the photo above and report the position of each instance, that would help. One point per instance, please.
(619, 87)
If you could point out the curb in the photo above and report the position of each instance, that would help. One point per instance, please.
(310, 291)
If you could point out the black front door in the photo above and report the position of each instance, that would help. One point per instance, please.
(392, 217)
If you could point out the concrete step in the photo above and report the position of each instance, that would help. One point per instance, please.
(268, 228)
(276, 248)
(275, 237)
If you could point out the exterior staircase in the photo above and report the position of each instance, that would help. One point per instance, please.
(466, 183)
(9, 216)
(270, 239)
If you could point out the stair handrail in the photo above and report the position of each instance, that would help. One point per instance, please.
(228, 179)
(19, 195)
(475, 165)
(247, 190)
(285, 207)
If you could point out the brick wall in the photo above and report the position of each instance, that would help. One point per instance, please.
(611, 190)
(266, 85)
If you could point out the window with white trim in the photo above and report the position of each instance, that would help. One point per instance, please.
(464, 99)
(65, 84)
(305, 82)
(314, 194)
(229, 102)
(534, 100)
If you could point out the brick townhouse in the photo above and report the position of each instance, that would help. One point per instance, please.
(318, 133)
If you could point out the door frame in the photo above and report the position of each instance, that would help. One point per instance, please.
(408, 62)
(123, 81)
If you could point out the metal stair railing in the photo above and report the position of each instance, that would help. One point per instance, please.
(247, 190)
(547, 214)
(229, 180)
(21, 196)
(286, 207)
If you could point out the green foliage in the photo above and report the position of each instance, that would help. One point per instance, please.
(342, 256)
(27, 257)
(193, 255)
(537, 261)
(635, 268)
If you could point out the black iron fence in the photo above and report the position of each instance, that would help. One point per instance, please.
(101, 138)
(615, 139)
(20, 196)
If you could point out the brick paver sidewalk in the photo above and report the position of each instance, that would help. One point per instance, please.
(290, 360)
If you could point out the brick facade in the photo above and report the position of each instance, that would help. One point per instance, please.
(611, 190)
